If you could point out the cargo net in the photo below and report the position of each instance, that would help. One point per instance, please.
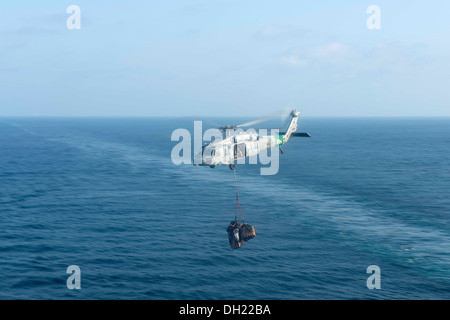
(239, 233)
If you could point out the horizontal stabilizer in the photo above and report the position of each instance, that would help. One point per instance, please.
(301, 134)
(298, 134)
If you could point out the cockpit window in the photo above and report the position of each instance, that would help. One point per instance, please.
(208, 151)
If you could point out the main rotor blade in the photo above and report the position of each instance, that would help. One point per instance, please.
(266, 118)
(254, 122)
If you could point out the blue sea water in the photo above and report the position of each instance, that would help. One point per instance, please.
(103, 194)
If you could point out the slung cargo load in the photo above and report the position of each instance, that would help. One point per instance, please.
(239, 233)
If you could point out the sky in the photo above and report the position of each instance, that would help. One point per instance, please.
(224, 58)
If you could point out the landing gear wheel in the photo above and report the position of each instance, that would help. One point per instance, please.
(212, 166)
(232, 166)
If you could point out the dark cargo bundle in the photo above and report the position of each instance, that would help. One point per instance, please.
(233, 235)
(247, 232)
(239, 233)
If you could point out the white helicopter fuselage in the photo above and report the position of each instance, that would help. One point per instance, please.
(237, 146)
(243, 144)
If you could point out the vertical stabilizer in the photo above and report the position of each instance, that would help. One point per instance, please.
(292, 126)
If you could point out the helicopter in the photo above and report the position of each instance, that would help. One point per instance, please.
(239, 144)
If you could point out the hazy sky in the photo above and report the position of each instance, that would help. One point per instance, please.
(224, 58)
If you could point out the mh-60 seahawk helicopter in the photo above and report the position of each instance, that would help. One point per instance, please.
(240, 144)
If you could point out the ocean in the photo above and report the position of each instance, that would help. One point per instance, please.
(104, 195)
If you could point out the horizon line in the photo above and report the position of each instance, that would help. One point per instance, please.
(220, 116)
